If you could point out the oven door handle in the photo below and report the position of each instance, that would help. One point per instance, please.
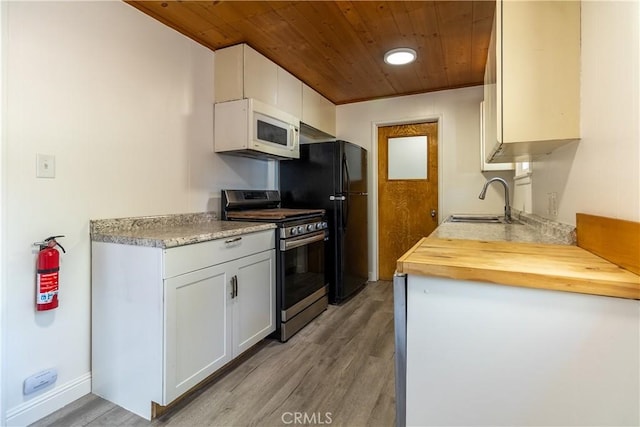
(285, 245)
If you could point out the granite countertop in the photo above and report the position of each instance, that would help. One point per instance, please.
(533, 229)
(168, 231)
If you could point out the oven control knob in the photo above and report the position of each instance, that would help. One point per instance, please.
(300, 229)
(324, 224)
(293, 231)
(318, 226)
(310, 227)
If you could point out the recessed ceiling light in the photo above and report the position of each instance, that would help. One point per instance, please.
(400, 56)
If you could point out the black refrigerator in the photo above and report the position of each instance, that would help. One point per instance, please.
(333, 176)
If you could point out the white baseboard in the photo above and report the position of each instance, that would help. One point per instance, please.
(49, 402)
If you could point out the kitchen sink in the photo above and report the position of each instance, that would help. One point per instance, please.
(480, 219)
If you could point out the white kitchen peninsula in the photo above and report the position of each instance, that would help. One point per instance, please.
(174, 299)
(505, 333)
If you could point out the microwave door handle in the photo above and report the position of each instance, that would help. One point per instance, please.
(294, 132)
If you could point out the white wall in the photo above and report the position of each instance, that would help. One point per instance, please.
(600, 174)
(3, 204)
(125, 105)
(460, 179)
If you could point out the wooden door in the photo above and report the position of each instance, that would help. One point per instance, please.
(405, 205)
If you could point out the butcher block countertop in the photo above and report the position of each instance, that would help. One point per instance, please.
(534, 265)
(168, 231)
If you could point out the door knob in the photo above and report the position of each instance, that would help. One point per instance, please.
(433, 213)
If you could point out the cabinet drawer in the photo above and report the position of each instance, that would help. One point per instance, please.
(184, 259)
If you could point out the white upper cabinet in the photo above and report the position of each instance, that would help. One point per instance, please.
(241, 72)
(532, 79)
(260, 77)
(229, 74)
(317, 111)
(485, 149)
(289, 93)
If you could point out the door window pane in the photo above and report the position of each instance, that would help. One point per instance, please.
(408, 157)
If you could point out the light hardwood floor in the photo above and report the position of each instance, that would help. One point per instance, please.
(339, 371)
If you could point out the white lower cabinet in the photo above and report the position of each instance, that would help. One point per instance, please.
(197, 340)
(207, 326)
(484, 354)
(254, 303)
(164, 320)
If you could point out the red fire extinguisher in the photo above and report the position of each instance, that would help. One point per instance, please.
(47, 279)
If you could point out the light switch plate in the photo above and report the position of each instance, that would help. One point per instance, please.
(45, 166)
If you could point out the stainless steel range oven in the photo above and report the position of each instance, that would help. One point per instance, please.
(301, 287)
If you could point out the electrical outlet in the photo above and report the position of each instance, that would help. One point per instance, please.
(45, 166)
(40, 380)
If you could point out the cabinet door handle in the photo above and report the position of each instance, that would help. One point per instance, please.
(235, 239)
(234, 286)
(236, 282)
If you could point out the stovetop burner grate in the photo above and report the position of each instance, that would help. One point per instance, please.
(263, 205)
(274, 214)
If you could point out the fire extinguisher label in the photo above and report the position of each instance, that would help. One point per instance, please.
(47, 287)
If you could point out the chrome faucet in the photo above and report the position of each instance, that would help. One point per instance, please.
(507, 206)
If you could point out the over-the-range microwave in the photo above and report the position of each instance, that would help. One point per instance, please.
(252, 128)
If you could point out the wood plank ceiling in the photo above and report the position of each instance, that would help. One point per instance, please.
(337, 47)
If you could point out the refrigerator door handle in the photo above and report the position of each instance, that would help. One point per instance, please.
(346, 178)
(347, 175)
